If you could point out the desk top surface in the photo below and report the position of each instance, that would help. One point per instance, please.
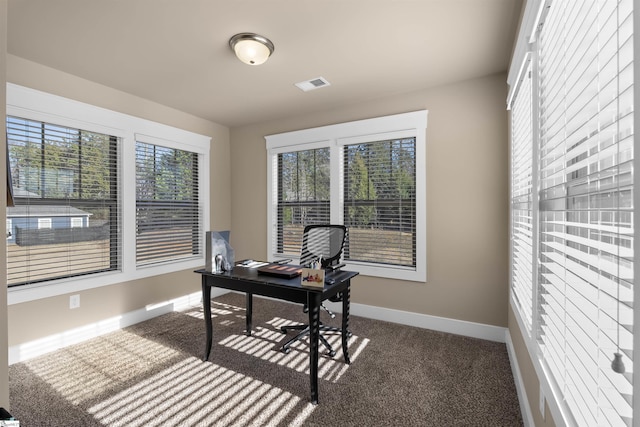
(252, 275)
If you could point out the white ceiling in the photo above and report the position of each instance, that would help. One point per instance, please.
(176, 52)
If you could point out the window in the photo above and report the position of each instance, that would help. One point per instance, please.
(44, 223)
(303, 195)
(167, 208)
(126, 198)
(582, 159)
(586, 208)
(368, 175)
(58, 172)
(522, 221)
(380, 201)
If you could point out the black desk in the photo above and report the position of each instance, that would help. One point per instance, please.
(249, 281)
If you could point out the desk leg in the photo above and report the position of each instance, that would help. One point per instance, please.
(206, 302)
(314, 333)
(345, 323)
(249, 313)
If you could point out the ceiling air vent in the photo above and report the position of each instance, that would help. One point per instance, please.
(316, 83)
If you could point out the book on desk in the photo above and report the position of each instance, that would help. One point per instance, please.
(285, 271)
(276, 269)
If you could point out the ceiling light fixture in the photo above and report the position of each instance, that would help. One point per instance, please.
(251, 48)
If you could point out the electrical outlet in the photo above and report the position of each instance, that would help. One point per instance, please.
(542, 402)
(74, 301)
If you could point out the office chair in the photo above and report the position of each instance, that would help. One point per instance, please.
(323, 243)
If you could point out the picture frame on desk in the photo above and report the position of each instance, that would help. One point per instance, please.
(312, 277)
(217, 245)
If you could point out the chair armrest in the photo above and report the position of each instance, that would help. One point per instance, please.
(334, 267)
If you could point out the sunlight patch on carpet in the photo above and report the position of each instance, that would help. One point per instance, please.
(195, 393)
(217, 309)
(84, 371)
(264, 343)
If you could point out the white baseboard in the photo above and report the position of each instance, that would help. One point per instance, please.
(527, 416)
(436, 323)
(29, 350)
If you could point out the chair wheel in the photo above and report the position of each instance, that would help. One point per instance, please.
(286, 350)
(283, 329)
(332, 353)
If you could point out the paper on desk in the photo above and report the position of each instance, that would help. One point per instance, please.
(252, 264)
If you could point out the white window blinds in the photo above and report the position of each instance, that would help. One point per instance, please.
(380, 201)
(586, 206)
(65, 219)
(522, 197)
(167, 204)
(303, 196)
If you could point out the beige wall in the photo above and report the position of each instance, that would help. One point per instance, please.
(467, 199)
(4, 375)
(25, 319)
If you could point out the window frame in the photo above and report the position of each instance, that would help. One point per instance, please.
(528, 320)
(335, 137)
(44, 223)
(37, 105)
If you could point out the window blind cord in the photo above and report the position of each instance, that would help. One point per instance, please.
(617, 364)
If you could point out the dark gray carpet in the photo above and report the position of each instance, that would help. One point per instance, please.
(151, 374)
